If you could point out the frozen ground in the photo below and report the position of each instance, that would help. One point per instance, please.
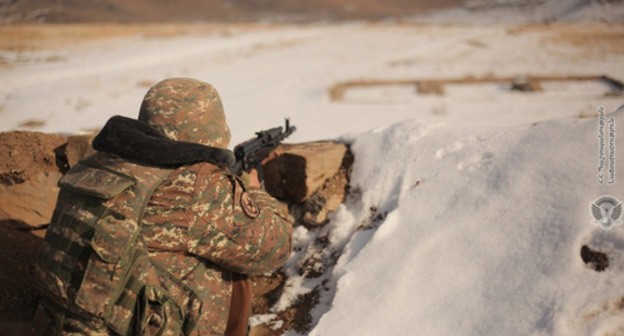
(468, 209)
(481, 234)
(275, 72)
(517, 11)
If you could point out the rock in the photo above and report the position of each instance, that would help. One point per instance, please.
(301, 169)
(598, 261)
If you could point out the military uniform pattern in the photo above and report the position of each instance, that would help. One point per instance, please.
(139, 250)
(186, 110)
(92, 237)
(195, 225)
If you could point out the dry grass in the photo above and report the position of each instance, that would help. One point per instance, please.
(591, 38)
(36, 37)
(604, 42)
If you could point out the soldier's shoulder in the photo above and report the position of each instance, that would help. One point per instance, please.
(204, 176)
(211, 172)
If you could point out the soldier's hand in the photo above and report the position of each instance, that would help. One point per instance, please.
(271, 156)
(253, 180)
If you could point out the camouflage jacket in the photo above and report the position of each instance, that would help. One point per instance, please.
(125, 236)
(202, 224)
(200, 228)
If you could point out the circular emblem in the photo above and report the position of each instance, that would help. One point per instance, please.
(606, 212)
(249, 205)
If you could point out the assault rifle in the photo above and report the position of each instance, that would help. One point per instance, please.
(250, 153)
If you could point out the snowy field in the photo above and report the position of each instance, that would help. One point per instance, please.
(274, 72)
(468, 209)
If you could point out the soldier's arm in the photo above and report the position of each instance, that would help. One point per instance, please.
(244, 229)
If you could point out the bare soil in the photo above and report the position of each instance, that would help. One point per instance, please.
(18, 253)
(25, 154)
(591, 38)
(26, 37)
(27, 160)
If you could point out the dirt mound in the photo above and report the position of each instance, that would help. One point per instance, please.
(25, 154)
(30, 166)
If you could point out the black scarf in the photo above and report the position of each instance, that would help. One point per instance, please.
(137, 141)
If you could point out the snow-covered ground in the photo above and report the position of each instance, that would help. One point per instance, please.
(468, 209)
(518, 11)
(482, 234)
(266, 75)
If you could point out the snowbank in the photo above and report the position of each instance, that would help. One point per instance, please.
(482, 234)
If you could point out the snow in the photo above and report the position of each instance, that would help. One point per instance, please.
(273, 73)
(487, 243)
(523, 11)
(467, 210)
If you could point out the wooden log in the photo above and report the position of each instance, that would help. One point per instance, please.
(301, 169)
(326, 199)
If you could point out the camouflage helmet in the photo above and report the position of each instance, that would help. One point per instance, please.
(186, 109)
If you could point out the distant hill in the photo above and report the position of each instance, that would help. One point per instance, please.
(129, 11)
(172, 11)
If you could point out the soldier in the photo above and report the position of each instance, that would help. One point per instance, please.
(152, 235)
